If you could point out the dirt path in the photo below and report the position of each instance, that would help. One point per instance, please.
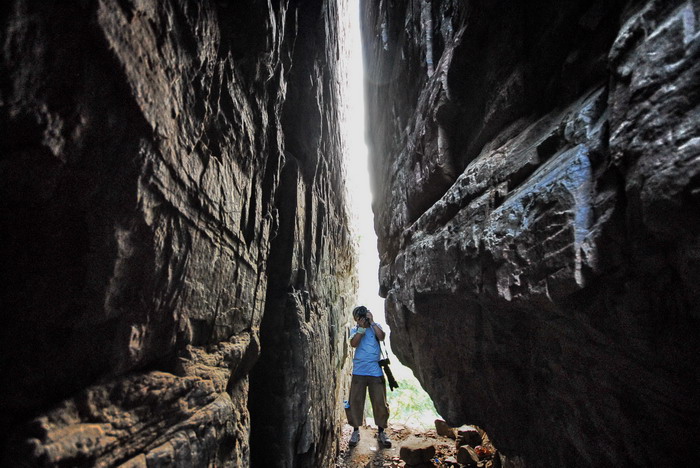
(368, 453)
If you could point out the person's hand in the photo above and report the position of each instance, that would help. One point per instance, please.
(370, 318)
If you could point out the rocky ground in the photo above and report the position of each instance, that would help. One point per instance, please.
(413, 447)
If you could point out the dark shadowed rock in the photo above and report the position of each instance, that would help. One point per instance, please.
(466, 455)
(536, 169)
(171, 173)
(444, 429)
(467, 435)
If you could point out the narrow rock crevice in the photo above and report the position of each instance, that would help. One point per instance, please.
(178, 263)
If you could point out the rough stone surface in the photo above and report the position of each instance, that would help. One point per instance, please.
(536, 170)
(416, 451)
(468, 436)
(170, 174)
(444, 429)
(466, 455)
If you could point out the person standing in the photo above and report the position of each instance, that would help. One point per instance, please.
(367, 375)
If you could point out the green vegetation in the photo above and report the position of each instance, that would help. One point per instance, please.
(409, 405)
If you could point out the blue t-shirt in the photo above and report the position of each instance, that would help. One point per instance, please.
(367, 354)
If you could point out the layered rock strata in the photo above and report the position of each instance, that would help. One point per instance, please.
(536, 170)
(170, 177)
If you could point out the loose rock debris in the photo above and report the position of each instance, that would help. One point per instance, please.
(467, 446)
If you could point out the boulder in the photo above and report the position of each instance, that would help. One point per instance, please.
(468, 435)
(416, 451)
(443, 429)
(467, 456)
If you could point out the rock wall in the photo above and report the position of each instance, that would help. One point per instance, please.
(169, 178)
(298, 380)
(536, 170)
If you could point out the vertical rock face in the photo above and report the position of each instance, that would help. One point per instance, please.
(536, 177)
(169, 176)
(297, 380)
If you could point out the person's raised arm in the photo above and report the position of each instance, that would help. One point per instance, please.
(377, 329)
(356, 338)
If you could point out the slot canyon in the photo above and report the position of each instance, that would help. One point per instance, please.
(179, 266)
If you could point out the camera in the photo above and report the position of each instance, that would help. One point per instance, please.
(384, 363)
(360, 313)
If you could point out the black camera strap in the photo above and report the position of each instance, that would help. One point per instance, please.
(382, 349)
(384, 364)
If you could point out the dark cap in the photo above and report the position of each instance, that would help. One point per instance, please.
(359, 310)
